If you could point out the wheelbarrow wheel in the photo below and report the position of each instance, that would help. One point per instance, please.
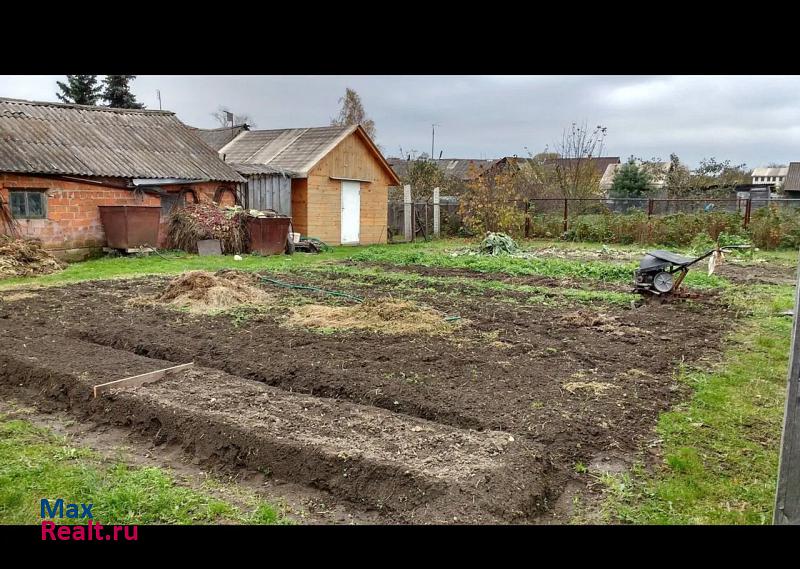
(663, 282)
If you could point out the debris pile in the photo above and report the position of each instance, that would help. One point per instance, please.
(25, 257)
(386, 316)
(202, 291)
(199, 221)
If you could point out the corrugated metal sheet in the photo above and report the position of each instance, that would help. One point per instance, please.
(216, 138)
(769, 172)
(792, 182)
(247, 169)
(55, 138)
(270, 192)
(294, 149)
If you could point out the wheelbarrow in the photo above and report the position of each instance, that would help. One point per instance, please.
(662, 272)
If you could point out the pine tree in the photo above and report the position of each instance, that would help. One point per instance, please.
(117, 92)
(352, 112)
(79, 89)
(630, 181)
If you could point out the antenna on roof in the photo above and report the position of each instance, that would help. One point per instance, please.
(158, 95)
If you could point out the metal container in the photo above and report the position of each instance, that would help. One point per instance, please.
(268, 235)
(130, 226)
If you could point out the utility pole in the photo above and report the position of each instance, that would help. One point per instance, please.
(787, 496)
(433, 137)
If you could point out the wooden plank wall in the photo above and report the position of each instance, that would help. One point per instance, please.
(270, 192)
(300, 206)
(351, 159)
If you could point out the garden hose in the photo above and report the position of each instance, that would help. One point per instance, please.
(312, 288)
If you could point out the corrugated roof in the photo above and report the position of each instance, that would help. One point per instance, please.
(57, 138)
(293, 149)
(251, 169)
(792, 181)
(769, 172)
(459, 168)
(216, 138)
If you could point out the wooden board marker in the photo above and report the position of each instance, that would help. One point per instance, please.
(137, 380)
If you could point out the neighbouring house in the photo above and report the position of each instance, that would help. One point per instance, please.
(658, 175)
(573, 166)
(791, 185)
(333, 181)
(59, 162)
(773, 177)
(462, 169)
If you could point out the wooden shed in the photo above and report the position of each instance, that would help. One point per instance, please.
(333, 180)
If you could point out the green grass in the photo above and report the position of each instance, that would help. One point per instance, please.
(171, 263)
(606, 271)
(37, 464)
(720, 449)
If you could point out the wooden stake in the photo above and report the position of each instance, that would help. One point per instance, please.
(137, 380)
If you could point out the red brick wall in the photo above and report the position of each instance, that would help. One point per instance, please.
(73, 220)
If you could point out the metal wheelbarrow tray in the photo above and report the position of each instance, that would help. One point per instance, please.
(662, 272)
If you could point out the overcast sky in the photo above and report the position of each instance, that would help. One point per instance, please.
(750, 119)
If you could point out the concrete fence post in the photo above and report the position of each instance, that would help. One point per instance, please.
(436, 213)
(407, 205)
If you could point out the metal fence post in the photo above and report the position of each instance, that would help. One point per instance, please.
(527, 219)
(566, 213)
(787, 495)
(747, 213)
(650, 207)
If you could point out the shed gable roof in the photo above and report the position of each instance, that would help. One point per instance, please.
(295, 150)
(57, 138)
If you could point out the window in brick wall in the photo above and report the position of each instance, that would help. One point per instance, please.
(28, 204)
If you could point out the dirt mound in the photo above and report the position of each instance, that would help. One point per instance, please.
(25, 258)
(387, 316)
(202, 291)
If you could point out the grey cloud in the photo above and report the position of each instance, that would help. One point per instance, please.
(742, 118)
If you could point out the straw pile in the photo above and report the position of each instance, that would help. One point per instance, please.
(386, 316)
(25, 257)
(203, 292)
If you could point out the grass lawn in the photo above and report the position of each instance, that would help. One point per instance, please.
(718, 449)
(37, 464)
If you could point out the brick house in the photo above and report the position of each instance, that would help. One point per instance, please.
(58, 162)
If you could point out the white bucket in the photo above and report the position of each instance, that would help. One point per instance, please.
(295, 237)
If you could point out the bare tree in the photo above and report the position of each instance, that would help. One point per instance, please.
(575, 172)
(223, 115)
(352, 113)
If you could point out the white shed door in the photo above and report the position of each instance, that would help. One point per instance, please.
(351, 211)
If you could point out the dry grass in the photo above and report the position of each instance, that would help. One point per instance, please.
(14, 296)
(596, 387)
(25, 258)
(203, 292)
(385, 316)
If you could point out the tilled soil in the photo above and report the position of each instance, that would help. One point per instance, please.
(483, 424)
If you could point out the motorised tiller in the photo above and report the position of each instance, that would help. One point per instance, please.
(662, 272)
